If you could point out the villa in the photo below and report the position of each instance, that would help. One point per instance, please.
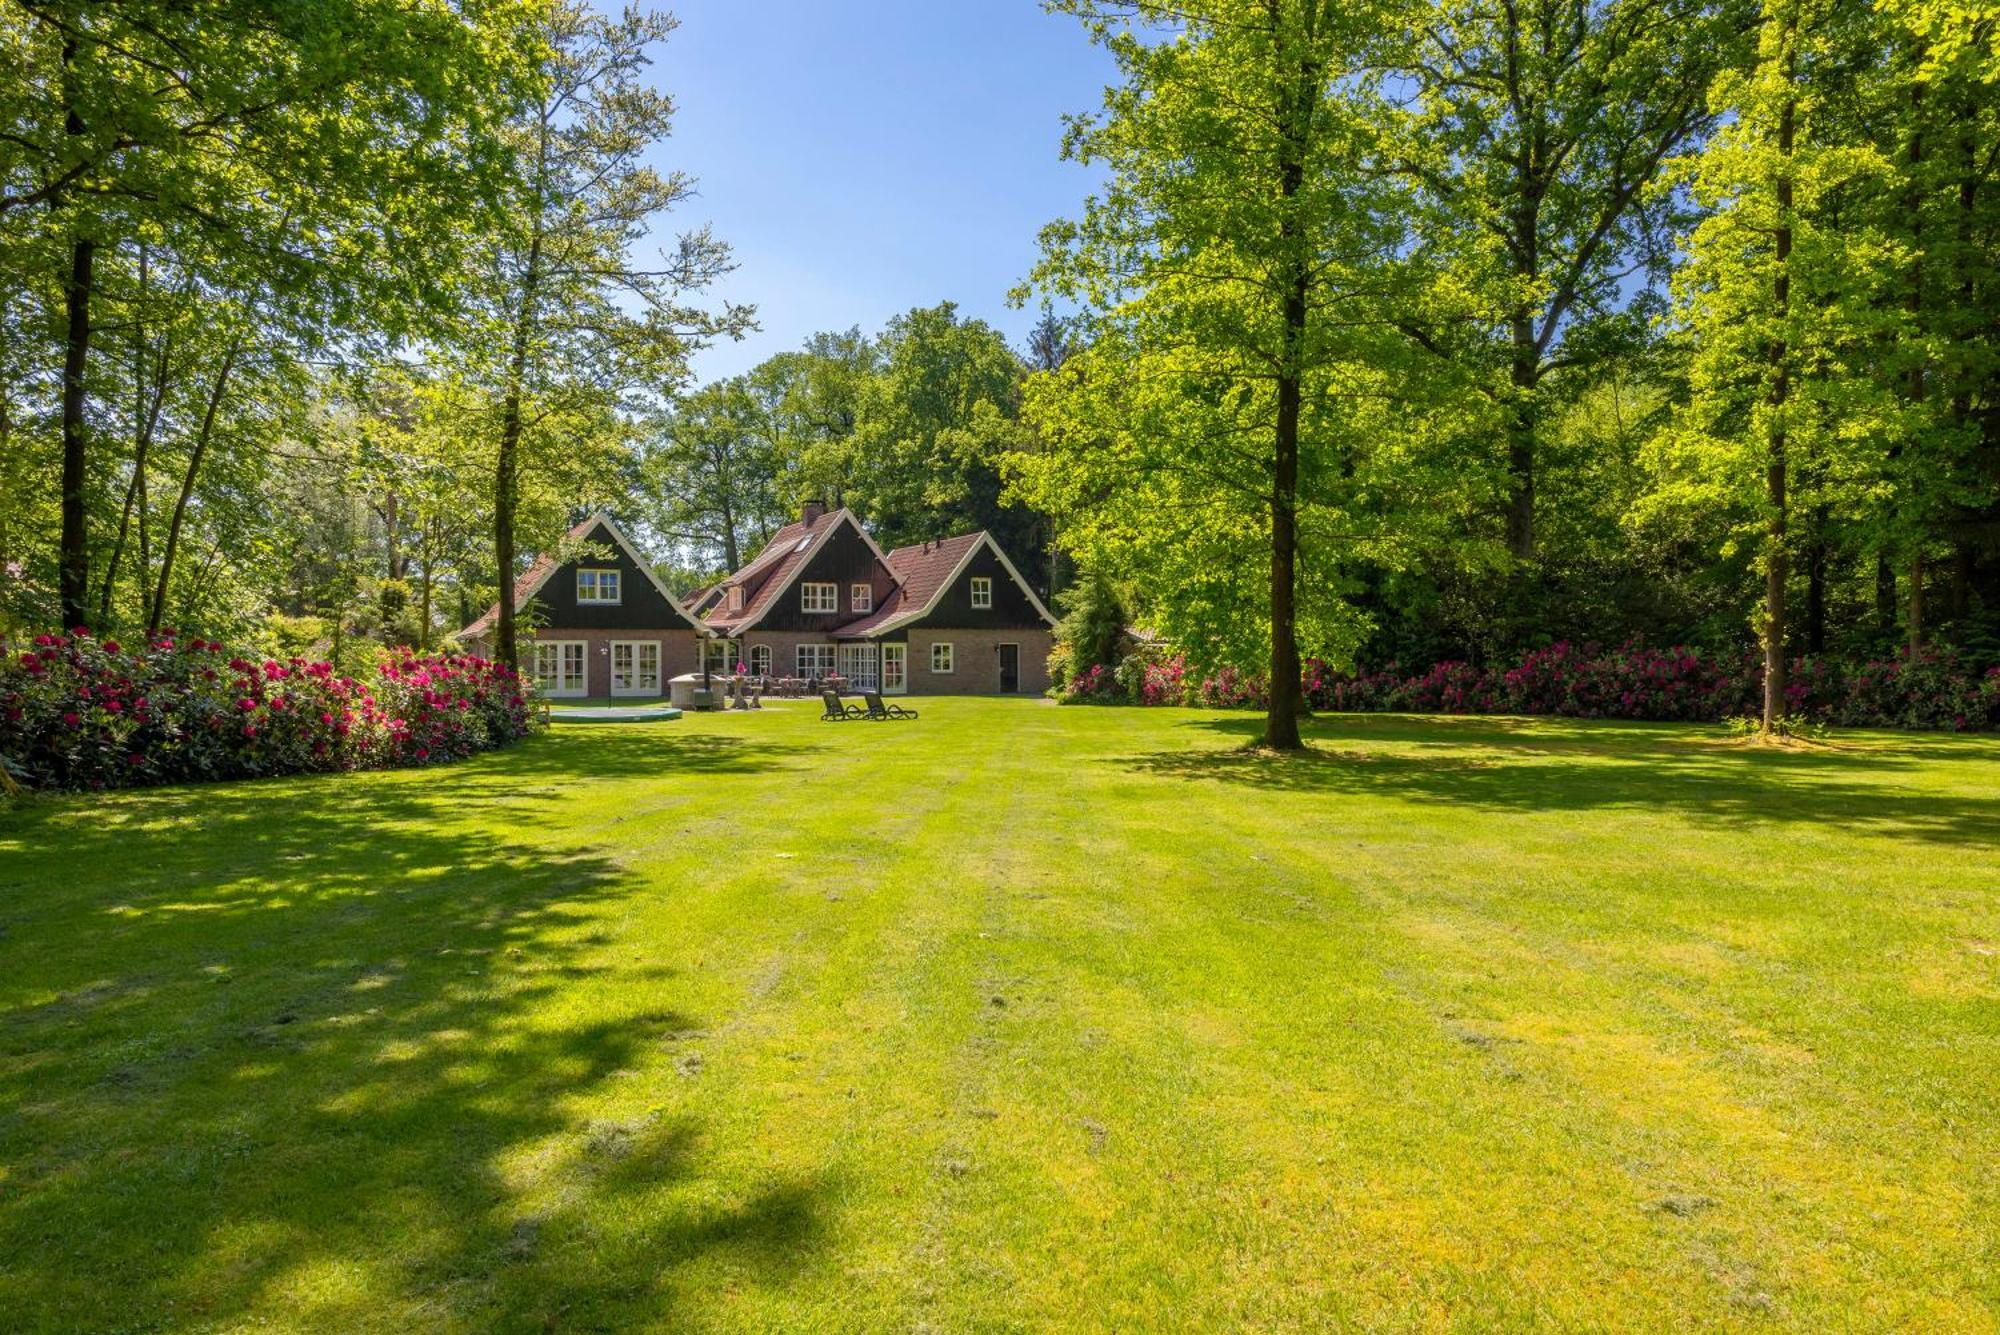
(821, 599)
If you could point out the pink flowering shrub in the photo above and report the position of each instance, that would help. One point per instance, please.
(1929, 690)
(1097, 684)
(79, 712)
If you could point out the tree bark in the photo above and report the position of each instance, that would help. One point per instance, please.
(1816, 562)
(1281, 718)
(1777, 564)
(158, 611)
(74, 577)
(1885, 596)
(1916, 603)
(506, 473)
(73, 559)
(145, 420)
(1524, 361)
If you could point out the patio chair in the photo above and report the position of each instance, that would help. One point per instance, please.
(835, 711)
(881, 709)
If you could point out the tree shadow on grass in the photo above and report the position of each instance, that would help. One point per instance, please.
(285, 1051)
(1543, 764)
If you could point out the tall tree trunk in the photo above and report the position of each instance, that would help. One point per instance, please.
(145, 419)
(1523, 361)
(158, 611)
(74, 578)
(1777, 565)
(424, 572)
(1816, 562)
(1918, 384)
(506, 473)
(1916, 602)
(73, 561)
(1885, 596)
(1281, 718)
(390, 534)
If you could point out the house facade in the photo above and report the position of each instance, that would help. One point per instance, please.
(594, 627)
(948, 617)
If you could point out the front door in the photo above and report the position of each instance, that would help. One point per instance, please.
(1010, 669)
(895, 669)
(559, 667)
(635, 667)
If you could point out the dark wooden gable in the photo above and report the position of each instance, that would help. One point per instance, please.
(1011, 608)
(640, 607)
(842, 558)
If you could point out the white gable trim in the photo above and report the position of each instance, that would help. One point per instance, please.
(958, 573)
(624, 543)
(819, 543)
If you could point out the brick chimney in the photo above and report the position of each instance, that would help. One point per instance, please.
(811, 511)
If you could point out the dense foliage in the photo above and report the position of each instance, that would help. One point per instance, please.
(82, 712)
(1923, 689)
(1440, 331)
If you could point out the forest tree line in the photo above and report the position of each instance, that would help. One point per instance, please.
(1431, 329)
(319, 317)
(1401, 329)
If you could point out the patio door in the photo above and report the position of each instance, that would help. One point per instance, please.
(1010, 669)
(635, 667)
(857, 664)
(895, 669)
(561, 668)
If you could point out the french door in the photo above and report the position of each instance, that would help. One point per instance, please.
(561, 669)
(895, 669)
(857, 664)
(635, 667)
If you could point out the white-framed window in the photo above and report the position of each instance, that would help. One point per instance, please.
(861, 597)
(816, 597)
(982, 592)
(815, 660)
(719, 656)
(941, 656)
(736, 597)
(635, 667)
(561, 667)
(597, 586)
(760, 660)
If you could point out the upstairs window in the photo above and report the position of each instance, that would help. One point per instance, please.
(982, 593)
(819, 597)
(597, 586)
(862, 597)
(736, 597)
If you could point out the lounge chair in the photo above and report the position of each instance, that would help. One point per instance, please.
(835, 711)
(880, 709)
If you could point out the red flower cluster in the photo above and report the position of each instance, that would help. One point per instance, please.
(76, 712)
(1931, 689)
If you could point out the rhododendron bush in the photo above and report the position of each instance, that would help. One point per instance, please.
(80, 712)
(1930, 689)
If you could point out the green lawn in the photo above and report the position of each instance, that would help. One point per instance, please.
(1015, 1017)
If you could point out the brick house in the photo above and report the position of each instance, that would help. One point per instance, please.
(592, 627)
(949, 617)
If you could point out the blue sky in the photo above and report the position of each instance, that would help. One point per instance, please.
(864, 158)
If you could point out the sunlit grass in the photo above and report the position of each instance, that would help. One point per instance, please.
(1015, 1017)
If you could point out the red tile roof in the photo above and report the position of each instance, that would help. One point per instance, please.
(782, 557)
(920, 572)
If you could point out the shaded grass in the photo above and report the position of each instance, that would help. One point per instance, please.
(1016, 1017)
